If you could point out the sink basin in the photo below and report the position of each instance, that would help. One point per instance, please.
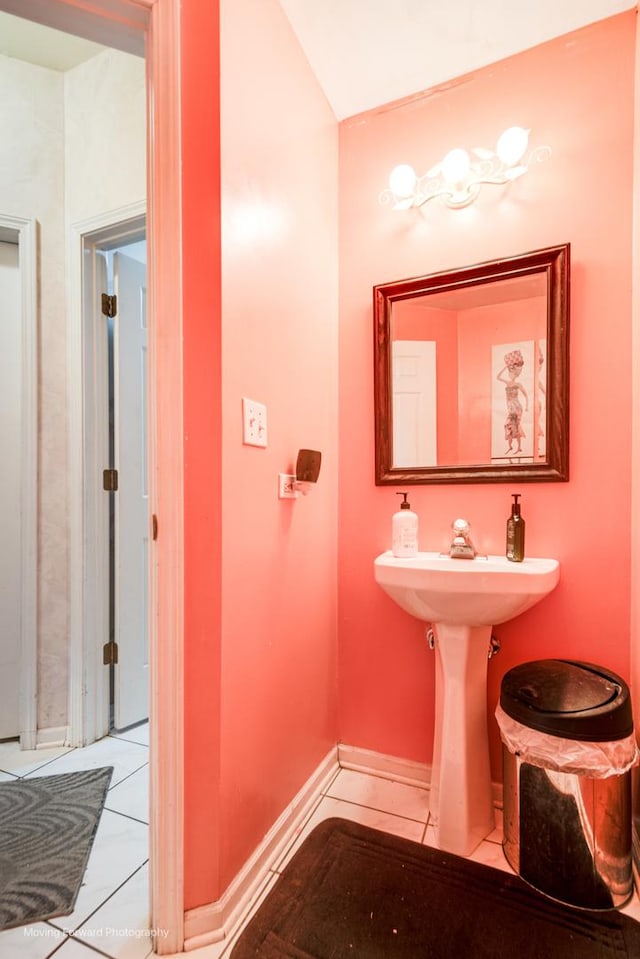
(484, 591)
(463, 599)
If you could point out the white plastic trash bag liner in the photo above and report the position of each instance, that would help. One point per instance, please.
(595, 760)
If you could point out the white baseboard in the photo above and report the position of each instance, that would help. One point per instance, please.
(393, 767)
(386, 767)
(213, 922)
(52, 736)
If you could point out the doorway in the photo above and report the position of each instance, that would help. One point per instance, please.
(10, 485)
(128, 646)
(18, 482)
(109, 682)
(154, 25)
(111, 254)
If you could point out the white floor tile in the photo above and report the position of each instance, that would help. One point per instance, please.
(131, 796)
(429, 838)
(632, 908)
(121, 846)
(137, 734)
(329, 807)
(112, 910)
(125, 758)
(491, 854)
(20, 762)
(35, 941)
(411, 802)
(120, 927)
(75, 949)
(488, 852)
(213, 951)
(496, 835)
(224, 948)
(7, 777)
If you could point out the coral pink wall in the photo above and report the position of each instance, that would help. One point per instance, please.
(576, 94)
(479, 330)
(202, 445)
(279, 347)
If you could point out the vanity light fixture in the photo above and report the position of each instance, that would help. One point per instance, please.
(459, 176)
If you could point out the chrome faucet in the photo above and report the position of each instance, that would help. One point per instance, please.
(461, 545)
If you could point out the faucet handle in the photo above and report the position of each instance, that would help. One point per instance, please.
(461, 547)
(461, 527)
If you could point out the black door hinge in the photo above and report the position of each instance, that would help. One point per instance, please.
(110, 654)
(109, 304)
(110, 481)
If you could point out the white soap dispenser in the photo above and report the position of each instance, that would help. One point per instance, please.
(404, 530)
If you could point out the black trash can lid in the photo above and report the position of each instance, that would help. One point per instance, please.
(566, 698)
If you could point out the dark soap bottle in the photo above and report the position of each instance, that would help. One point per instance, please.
(515, 532)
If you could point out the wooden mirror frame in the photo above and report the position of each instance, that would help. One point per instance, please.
(555, 262)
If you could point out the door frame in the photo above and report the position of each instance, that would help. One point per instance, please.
(155, 25)
(88, 432)
(24, 230)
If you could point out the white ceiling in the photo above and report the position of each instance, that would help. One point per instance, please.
(368, 52)
(25, 40)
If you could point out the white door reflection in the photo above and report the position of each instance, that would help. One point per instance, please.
(414, 403)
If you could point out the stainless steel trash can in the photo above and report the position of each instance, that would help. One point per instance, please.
(568, 746)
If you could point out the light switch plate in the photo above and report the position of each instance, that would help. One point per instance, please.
(254, 423)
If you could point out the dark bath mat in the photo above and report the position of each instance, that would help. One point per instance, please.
(47, 827)
(351, 891)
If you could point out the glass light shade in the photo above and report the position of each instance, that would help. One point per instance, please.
(456, 165)
(402, 180)
(512, 144)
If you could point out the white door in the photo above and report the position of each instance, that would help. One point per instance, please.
(131, 688)
(10, 488)
(414, 403)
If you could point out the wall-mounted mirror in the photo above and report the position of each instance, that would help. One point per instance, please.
(472, 373)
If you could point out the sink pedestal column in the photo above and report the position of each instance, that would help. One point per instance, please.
(461, 802)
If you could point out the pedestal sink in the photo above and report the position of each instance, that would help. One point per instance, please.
(463, 599)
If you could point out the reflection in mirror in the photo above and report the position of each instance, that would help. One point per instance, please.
(471, 373)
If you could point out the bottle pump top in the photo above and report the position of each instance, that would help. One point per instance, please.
(515, 508)
(404, 530)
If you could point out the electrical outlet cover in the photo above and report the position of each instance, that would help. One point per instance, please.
(286, 488)
(254, 423)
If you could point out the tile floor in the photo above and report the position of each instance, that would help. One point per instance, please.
(111, 914)
(382, 804)
(111, 911)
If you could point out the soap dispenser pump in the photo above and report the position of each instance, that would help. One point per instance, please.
(404, 530)
(515, 532)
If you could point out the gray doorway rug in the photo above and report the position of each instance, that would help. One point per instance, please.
(47, 828)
